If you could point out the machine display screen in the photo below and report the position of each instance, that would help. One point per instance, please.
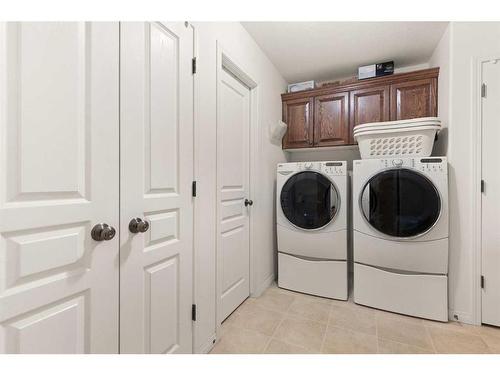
(431, 160)
(333, 164)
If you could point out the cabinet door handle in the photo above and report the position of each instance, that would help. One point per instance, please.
(248, 202)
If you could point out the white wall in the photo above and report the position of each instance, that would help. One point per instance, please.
(411, 68)
(441, 58)
(467, 41)
(241, 47)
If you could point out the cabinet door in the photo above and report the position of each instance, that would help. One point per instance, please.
(59, 132)
(368, 105)
(414, 99)
(331, 119)
(156, 169)
(298, 115)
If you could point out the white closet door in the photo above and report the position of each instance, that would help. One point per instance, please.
(490, 236)
(233, 247)
(156, 169)
(58, 178)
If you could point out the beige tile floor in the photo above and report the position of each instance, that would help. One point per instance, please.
(281, 321)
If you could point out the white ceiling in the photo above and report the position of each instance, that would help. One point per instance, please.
(326, 50)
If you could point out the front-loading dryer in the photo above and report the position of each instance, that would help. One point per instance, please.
(400, 235)
(311, 225)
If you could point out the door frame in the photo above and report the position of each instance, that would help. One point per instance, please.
(477, 150)
(226, 61)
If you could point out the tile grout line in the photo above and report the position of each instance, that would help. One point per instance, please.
(406, 343)
(326, 331)
(432, 340)
(267, 345)
(286, 315)
(273, 336)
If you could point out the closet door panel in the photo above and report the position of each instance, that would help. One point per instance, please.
(156, 175)
(58, 178)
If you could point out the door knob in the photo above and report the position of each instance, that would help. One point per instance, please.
(137, 225)
(248, 202)
(102, 232)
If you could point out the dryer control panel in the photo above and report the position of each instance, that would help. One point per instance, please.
(429, 164)
(432, 165)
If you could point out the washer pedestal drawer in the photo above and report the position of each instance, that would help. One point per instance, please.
(325, 278)
(421, 295)
(313, 244)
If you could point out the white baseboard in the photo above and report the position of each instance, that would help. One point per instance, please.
(205, 348)
(463, 317)
(262, 287)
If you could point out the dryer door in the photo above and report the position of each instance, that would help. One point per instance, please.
(309, 200)
(400, 203)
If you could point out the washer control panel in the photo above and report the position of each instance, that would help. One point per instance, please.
(332, 168)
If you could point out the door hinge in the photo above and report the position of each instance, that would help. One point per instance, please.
(193, 189)
(482, 282)
(193, 65)
(482, 186)
(193, 313)
(483, 90)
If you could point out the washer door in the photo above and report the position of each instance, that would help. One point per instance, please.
(309, 200)
(400, 203)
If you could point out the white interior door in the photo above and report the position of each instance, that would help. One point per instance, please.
(490, 235)
(156, 169)
(233, 245)
(58, 178)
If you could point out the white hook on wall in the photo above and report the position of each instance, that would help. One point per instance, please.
(276, 131)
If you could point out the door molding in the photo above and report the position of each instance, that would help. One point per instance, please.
(477, 149)
(226, 62)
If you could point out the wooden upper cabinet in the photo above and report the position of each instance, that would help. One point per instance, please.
(331, 119)
(369, 105)
(298, 115)
(414, 99)
(326, 116)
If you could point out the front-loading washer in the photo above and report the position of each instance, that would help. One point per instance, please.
(400, 235)
(311, 225)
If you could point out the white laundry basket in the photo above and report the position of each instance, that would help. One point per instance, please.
(396, 142)
(381, 126)
(400, 123)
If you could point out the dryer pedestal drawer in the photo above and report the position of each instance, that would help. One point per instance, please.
(421, 295)
(325, 278)
(415, 256)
